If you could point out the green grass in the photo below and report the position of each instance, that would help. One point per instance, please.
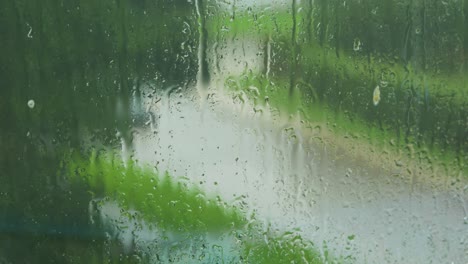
(420, 118)
(163, 201)
(353, 65)
(177, 206)
(365, 137)
(288, 248)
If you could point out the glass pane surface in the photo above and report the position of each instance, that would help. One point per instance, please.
(209, 131)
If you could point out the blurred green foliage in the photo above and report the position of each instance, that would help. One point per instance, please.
(83, 63)
(414, 51)
(175, 206)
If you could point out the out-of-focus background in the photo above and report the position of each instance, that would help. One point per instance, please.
(203, 131)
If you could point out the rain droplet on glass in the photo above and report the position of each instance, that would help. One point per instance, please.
(31, 104)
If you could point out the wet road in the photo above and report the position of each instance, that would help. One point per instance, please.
(367, 213)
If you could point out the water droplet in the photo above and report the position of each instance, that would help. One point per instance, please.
(357, 45)
(254, 90)
(31, 104)
(376, 96)
(30, 31)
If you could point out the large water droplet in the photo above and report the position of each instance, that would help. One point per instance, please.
(357, 45)
(31, 104)
(376, 95)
